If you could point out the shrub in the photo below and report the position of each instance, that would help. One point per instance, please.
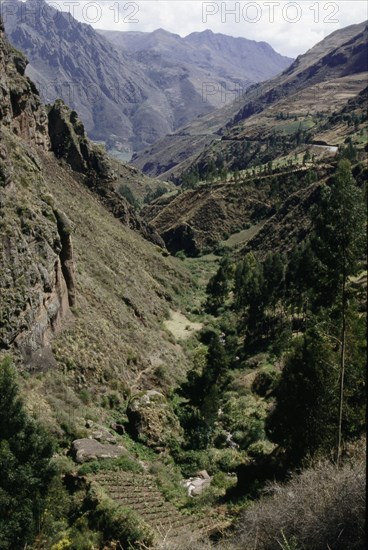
(321, 508)
(123, 463)
(244, 417)
(265, 382)
(169, 480)
(180, 255)
(127, 193)
(153, 195)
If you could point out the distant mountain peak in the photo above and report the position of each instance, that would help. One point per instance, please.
(132, 88)
(163, 32)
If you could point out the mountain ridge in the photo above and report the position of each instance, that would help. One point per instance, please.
(330, 60)
(125, 101)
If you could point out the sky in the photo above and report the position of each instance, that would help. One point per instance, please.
(290, 27)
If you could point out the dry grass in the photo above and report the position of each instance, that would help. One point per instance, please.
(321, 508)
(180, 326)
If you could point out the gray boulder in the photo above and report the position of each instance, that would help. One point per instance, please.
(196, 485)
(85, 450)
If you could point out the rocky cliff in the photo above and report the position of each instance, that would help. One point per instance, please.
(69, 143)
(37, 267)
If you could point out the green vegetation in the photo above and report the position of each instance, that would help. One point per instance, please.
(126, 192)
(25, 464)
(154, 194)
(302, 308)
(119, 524)
(247, 362)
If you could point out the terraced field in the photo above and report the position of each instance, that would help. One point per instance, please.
(141, 494)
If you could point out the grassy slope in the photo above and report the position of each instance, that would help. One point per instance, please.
(115, 341)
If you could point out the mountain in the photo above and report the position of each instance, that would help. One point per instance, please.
(69, 60)
(252, 184)
(126, 99)
(218, 67)
(320, 81)
(133, 382)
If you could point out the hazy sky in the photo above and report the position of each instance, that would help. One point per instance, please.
(290, 27)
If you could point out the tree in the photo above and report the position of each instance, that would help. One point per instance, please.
(203, 393)
(338, 245)
(25, 453)
(273, 272)
(218, 286)
(304, 418)
(250, 295)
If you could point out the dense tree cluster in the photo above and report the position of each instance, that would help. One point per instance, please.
(302, 306)
(26, 471)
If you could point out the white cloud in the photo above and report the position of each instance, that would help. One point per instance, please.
(290, 27)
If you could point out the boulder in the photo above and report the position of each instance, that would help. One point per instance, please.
(100, 433)
(152, 420)
(85, 450)
(196, 485)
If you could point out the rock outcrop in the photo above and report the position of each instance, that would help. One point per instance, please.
(37, 271)
(197, 484)
(37, 264)
(152, 421)
(21, 109)
(69, 142)
(85, 450)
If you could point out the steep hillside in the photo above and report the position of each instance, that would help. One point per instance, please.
(304, 93)
(142, 394)
(70, 60)
(275, 156)
(126, 100)
(84, 295)
(250, 210)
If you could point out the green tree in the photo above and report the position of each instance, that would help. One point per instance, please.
(202, 392)
(25, 453)
(250, 295)
(273, 273)
(218, 286)
(338, 245)
(338, 236)
(304, 418)
(126, 192)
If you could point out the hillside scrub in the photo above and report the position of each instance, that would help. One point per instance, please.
(323, 507)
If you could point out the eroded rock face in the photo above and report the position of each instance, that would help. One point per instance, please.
(152, 420)
(36, 264)
(20, 106)
(69, 142)
(36, 253)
